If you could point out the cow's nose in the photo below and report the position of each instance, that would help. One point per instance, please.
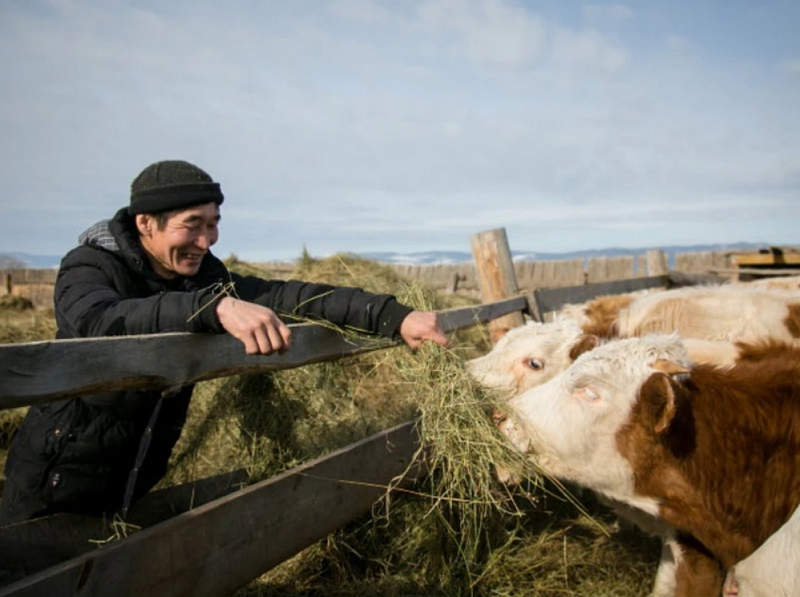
(498, 416)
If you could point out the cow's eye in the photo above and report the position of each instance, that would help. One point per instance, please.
(534, 364)
(588, 393)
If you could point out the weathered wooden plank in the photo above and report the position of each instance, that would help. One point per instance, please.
(454, 319)
(657, 263)
(497, 276)
(31, 546)
(552, 299)
(218, 547)
(755, 271)
(34, 372)
(771, 258)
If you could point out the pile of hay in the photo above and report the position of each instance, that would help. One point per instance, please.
(459, 531)
(269, 422)
(12, 302)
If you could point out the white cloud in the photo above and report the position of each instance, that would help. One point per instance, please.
(494, 32)
(375, 125)
(587, 49)
(792, 66)
(601, 14)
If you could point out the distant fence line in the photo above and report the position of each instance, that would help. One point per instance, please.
(37, 284)
(34, 284)
(462, 278)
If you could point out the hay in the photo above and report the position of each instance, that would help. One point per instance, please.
(13, 302)
(459, 532)
(462, 447)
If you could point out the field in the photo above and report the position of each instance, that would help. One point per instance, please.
(457, 533)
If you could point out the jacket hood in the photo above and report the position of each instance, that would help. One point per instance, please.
(99, 235)
(117, 235)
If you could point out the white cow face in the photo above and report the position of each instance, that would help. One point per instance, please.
(569, 424)
(528, 356)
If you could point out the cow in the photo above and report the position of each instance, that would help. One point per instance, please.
(765, 573)
(722, 312)
(598, 316)
(776, 283)
(729, 313)
(710, 454)
(529, 355)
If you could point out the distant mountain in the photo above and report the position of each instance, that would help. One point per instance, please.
(451, 257)
(444, 257)
(23, 260)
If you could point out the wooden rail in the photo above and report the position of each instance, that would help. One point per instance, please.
(218, 547)
(35, 372)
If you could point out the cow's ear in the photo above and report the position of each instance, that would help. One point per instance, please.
(585, 343)
(658, 400)
(669, 367)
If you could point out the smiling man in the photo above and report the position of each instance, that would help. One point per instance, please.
(150, 270)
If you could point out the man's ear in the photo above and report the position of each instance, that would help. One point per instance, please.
(144, 224)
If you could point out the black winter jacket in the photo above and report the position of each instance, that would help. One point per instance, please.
(79, 455)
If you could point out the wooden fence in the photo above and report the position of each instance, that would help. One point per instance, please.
(462, 278)
(191, 542)
(459, 278)
(202, 550)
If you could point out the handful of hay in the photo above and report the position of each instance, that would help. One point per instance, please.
(461, 449)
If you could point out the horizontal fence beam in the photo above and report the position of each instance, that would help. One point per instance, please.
(454, 319)
(33, 545)
(552, 299)
(219, 547)
(35, 372)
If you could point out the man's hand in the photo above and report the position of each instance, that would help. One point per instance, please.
(419, 326)
(257, 327)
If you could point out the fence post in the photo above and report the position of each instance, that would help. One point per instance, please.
(9, 285)
(496, 275)
(657, 263)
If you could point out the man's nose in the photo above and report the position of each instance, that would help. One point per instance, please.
(202, 241)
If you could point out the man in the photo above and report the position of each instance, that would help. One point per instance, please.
(150, 270)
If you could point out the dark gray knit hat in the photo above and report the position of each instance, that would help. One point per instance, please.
(172, 184)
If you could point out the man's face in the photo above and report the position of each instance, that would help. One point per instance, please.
(177, 248)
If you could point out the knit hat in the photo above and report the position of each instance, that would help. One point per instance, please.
(172, 184)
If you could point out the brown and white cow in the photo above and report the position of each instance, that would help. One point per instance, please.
(776, 283)
(529, 355)
(598, 316)
(729, 313)
(710, 452)
(717, 312)
(765, 573)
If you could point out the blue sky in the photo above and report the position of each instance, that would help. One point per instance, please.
(368, 125)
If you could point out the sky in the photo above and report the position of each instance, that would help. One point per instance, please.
(362, 126)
